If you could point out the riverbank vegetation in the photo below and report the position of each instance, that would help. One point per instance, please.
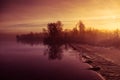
(80, 34)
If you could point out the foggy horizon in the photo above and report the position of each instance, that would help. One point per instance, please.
(29, 15)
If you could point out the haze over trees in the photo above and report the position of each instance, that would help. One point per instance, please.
(54, 34)
(56, 38)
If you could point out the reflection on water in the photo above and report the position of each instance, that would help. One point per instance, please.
(29, 41)
(54, 52)
(25, 62)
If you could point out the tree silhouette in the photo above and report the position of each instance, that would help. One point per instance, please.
(81, 27)
(54, 29)
(54, 40)
(54, 33)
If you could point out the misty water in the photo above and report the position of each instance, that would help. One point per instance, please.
(21, 61)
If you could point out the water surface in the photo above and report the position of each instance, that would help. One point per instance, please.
(41, 62)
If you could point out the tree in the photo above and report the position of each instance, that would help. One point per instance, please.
(81, 27)
(54, 29)
(54, 33)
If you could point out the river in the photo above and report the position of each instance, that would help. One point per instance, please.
(21, 61)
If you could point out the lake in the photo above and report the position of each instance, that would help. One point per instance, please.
(22, 61)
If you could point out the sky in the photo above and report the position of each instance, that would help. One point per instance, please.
(23, 16)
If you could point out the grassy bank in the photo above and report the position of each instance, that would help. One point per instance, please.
(109, 70)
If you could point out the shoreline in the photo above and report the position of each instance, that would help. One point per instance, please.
(107, 69)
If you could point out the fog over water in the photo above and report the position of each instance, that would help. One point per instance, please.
(26, 61)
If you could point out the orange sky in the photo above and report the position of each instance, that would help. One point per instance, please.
(18, 16)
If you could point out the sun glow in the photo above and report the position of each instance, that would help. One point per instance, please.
(24, 17)
(114, 17)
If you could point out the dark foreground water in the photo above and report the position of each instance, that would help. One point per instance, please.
(39, 62)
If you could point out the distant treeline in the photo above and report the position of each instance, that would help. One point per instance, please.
(54, 34)
(31, 38)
